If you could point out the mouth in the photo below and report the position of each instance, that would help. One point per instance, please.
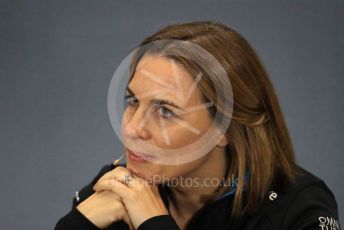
(138, 157)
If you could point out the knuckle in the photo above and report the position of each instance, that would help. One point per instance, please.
(117, 205)
(106, 176)
(120, 170)
(118, 209)
(117, 169)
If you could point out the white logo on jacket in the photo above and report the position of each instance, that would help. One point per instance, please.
(328, 223)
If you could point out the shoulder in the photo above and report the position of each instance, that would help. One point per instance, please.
(307, 203)
(87, 190)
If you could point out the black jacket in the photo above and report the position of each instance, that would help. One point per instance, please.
(307, 204)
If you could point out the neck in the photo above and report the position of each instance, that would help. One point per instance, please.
(186, 200)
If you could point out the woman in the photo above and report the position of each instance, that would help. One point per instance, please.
(260, 186)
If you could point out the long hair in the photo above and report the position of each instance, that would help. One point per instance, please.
(259, 142)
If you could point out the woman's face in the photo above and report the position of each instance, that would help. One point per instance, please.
(158, 91)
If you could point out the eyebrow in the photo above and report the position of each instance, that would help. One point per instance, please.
(160, 101)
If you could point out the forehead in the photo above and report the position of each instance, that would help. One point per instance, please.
(164, 75)
(157, 68)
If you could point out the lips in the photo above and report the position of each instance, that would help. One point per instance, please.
(138, 157)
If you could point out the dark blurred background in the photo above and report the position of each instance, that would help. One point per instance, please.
(57, 59)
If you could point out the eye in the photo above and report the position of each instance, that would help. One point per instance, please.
(166, 113)
(131, 100)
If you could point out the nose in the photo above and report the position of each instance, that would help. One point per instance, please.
(136, 125)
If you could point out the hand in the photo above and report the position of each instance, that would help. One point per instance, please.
(141, 199)
(103, 209)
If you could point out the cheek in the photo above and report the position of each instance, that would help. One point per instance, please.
(182, 135)
(125, 119)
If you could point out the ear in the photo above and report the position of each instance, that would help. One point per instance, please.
(223, 141)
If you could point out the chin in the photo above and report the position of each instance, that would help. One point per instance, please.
(139, 169)
(147, 171)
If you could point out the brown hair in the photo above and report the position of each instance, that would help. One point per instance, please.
(259, 141)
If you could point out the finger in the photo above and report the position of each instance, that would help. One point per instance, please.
(154, 188)
(127, 220)
(112, 194)
(115, 186)
(118, 173)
